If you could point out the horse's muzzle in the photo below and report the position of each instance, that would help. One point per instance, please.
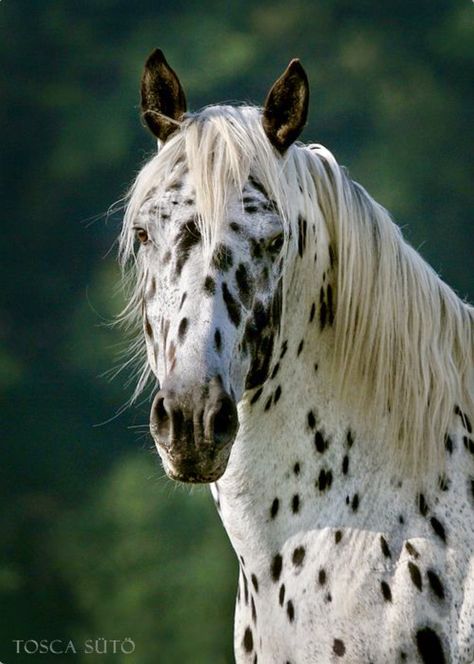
(194, 430)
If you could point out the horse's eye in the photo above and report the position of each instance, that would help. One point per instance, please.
(141, 235)
(275, 245)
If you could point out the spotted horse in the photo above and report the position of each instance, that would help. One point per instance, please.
(316, 372)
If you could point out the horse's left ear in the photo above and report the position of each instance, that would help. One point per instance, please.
(286, 107)
(163, 100)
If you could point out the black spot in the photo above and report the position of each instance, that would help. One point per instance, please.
(284, 348)
(281, 594)
(386, 592)
(322, 310)
(256, 184)
(254, 611)
(312, 312)
(349, 439)
(319, 442)
(260, 317)
(328, 597)
(385, 548)
(324, 480)
(355, 502)
(234, 226)
(209, 285)
(422, 505)
(274, 508)
(251, 209)
(290, 610)
(302, 228)
(182, 329)
(435, 583)
(277, 394)
(322, 576)
(415, 575)
(296, 468)
(248, 640)
(148, 327)
(465, 420)
(268, 403)
(295, 504)
(262, 355)
(311, 420)
(330, 305)
(188, 237)
(411, 550)
(401, 519)
(246, 588)
(183, 299)
(254, 582)
(300, 348)
(438, 528)
(276, 369)
(244, 284)
(255, 249)
(152, 290)
(339, 648)
(429, 646)
(222, 258)
(298, 556)
(448, 443)
(276, 566)
(218, 340)
(338, 536)
(468, 444)
(443, 482)
(345, 465)
(233, 308)
(332, 257)
(256, 396)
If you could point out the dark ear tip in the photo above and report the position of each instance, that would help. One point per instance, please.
(155, 58)
(296, 68)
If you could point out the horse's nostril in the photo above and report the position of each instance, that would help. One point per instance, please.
(224, 421)
(160, 419)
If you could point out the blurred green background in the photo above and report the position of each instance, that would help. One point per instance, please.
(94, 541)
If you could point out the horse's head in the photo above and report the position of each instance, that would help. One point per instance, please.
(211, 259)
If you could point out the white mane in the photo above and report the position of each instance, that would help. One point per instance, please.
(403, 354)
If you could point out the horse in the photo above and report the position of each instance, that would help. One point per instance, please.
(315, 371)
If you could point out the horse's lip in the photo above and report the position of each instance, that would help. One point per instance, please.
(194, 478)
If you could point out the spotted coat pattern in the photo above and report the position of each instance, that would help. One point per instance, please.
(341, 559)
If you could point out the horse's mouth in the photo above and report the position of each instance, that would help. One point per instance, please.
(196, 468)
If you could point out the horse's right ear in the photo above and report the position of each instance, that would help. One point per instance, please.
(163, 100)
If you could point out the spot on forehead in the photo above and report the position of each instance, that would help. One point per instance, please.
(188, 237)
(209, 285)
(256, 184)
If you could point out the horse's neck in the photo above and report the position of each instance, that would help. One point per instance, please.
(298, 463)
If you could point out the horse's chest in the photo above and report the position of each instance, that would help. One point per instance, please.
(347, 595)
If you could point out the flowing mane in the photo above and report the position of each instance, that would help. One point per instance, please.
(403, 347)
